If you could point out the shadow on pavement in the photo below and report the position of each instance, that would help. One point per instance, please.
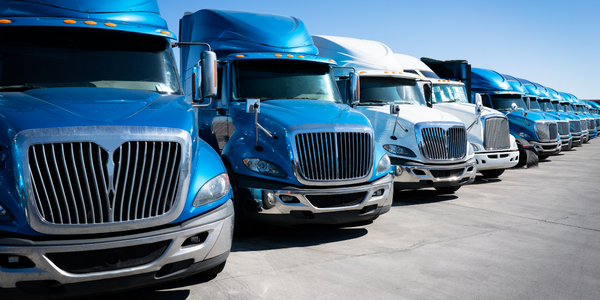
(415, 197)
(268, 237)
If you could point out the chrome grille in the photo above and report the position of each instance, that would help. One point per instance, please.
(546, 131)
(591, 124)
(575, 126)
(563, 127)
(330, 156)
(496, 133)
(444, 144)
(597, 123)
(584, 125)
(72, 181)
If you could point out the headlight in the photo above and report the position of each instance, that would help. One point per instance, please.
(399, 150)
(475, 148)
(525, 135)
(470, 150)
(4, 215)
(213, 190)
(384, 164)
(264, 167)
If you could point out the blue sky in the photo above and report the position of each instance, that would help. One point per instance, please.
(554, 43)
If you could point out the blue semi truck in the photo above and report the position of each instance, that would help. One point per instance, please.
(104, 182)
(529, 128)
(295, 152)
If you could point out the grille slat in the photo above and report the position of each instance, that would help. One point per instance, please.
(575, 126)
(330, 156)
(496, 134)
(70, 181)
(444, 144)
(563, 127)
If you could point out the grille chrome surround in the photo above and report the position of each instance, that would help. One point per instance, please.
(591, 124)
(76, 182)
(496, 135)
(584, 125)
(441, 141)
(563, 127)
(546, 131)
(575, 126)
(323, 154)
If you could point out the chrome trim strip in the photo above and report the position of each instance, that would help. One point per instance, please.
(442, 130)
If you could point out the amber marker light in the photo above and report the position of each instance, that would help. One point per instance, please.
(332, 61)
(277, 55)
(239, 55)
(69, 21)
(110, 24)
(300, 56)
(289, 55)
(165, 32)
(362, 72)
(90, 22)
(5, 21)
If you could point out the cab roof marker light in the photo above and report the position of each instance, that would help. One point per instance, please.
(239, 55)
(300, 56)
(90, 23)
(69, 21)
(289, 55)
(278, 55)
(332, 61)
(5, 21)
(165, 32)
(110, 24)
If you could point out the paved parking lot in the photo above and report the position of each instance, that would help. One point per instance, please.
(531, 234)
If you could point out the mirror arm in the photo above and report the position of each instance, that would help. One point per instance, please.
(393, 137)
(257, 127)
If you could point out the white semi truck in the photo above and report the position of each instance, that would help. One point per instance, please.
(488, 132)
(427, 147)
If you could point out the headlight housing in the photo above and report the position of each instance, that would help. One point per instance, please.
(399, 150)
(264, 167)
(213, 190)
(525, 135)
(4, 214)
(384, 164)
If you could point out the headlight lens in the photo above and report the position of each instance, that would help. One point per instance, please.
(4, 214)
(384, 164)
(213, 190)
(525, 135)
(265, 167)
(399, 150)
(471, 150)
(475, 148)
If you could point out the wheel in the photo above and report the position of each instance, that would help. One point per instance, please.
(242, 224)
(492, 173)
(447, 189)
(522, 153)
(214, 271)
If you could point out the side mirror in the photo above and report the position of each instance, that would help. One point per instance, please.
(354, 96)
(513, 106)
(252, 106)
(427, 92)
(528, 103)
(394, 109)
(478, 104)
(209, 74)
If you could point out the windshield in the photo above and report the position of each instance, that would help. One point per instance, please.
(547, 106)
(567, 107)
(449, 93)
(504, 102)
(388, 90)
(534, 105)
(34, 57)
(283, 79)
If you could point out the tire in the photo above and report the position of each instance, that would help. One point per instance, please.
(492, 173)
(522, 153)
(242, 225)
(447, 189)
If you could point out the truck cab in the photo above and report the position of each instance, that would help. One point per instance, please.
(428, 147)
(566, 106)
(582, 109)
(104, 182)
(528, 128)
(538, 100)
(488, 133)
(295, 152)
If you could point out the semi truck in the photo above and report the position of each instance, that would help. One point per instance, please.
(104, 182)
(487, 129)
(582, 109)
(428, 147)
(538, 98)
(530, 129)
(295, 152)
(566, 107)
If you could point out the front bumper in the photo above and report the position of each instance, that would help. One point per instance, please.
(496, 160)
(576, 139)
(418, 176)
(567, 142)
(284, 205)
(547, 148)
(47, 281)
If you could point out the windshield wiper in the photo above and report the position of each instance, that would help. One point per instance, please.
(20, 88)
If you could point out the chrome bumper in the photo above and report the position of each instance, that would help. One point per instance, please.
(496, 160)
(294, 206)
(567, 142)
(217, 224)
(547, 148)
(421, 176)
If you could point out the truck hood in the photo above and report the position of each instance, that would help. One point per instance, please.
(413, 113)
(60, 107)
(288, 113)
(457, 109)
